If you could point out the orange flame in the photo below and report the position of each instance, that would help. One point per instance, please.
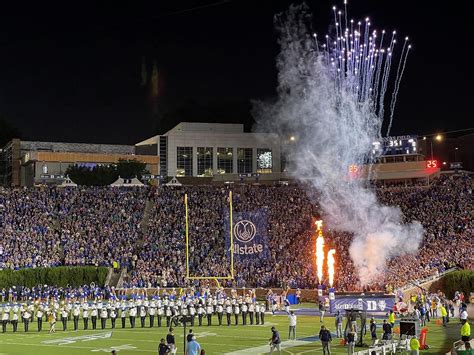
(331, 266)
(319, 250)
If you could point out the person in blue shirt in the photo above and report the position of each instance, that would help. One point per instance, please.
(193, 347)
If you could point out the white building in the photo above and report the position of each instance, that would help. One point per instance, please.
(208, 149)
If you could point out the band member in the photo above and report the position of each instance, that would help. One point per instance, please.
(151, 313)
(26, 319)
(236, 313)
(94, 314)
(244, 313)
(142, 316)
(103, 317)
(113, 316)
(85, 315)
(192, 314)
(160, 313)
(5, 318)
(228, 310)
(168, 316)
(39, 318)
(132, 315)
(220, 311)
(75, 314)
(251, 312)
(15, 318)
(200, 313)
(123, 314)
(262, 314)
(209, 311)
(52, 321)
(64, 315)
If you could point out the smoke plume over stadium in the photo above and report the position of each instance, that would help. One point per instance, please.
(331, 98)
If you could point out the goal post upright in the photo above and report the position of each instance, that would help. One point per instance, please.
(215, 278)
(187, 233)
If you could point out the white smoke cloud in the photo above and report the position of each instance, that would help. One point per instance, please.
(334, 129)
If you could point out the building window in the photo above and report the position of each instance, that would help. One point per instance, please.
(264, 161)
(184, 161)
(204, 161)
(244, 160)
(225, 160)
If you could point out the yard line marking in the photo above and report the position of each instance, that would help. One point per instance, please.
(284, 345)
(73, 347)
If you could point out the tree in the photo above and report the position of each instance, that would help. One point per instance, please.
(103, 175)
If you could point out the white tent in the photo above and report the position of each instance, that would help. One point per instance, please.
(173, 182)
(67, 183)
(121, 182)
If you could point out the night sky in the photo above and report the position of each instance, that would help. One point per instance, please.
(73, 73)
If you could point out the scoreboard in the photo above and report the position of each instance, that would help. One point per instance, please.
(396, 145)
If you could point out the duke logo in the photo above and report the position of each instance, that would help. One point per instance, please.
(244, 231)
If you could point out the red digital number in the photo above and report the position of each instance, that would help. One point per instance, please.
(431, 164)
(353, 169)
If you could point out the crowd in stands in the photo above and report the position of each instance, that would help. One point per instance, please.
(96, 226)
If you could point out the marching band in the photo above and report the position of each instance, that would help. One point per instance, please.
(166, 308)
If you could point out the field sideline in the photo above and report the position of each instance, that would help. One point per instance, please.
(214, 339)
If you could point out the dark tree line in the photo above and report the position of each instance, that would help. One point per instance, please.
(102, 175)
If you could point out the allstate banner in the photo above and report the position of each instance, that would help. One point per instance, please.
(371, 304)
(249, 233)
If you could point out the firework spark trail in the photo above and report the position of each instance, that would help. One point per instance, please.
(332, 97)
(397, 83)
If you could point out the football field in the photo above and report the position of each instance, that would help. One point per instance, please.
(214, 339)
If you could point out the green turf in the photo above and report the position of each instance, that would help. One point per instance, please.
(214, 339)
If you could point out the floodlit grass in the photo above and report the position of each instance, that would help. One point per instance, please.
(214, 339)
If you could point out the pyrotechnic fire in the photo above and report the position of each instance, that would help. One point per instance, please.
(331, 266)
(319, 250)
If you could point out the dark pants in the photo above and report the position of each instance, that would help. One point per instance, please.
(15, 325)
(26, 324)
(94, 322)
(209, 319)
(159, 321)
(76, 322)
(244, 318)
(262, 318)
(86, 323)
(4, 326)
(236, 316)
(219, 318)
(113, 322)
(200, 319)
(152, 320)
(192, 321)
(132, 322)
(228, 318)
(465, 338)
(64, 320)
(40, 324)
(142, 321)
(103, 322)
(168, 321)
(251, 318)
(123, 322)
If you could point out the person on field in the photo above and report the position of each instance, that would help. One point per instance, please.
(292, 326)
(163, 348)
(171, 342)
(326, 338)
(275, 341)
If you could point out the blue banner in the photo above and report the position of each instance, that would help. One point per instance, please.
(249, 234)
(371, 304)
